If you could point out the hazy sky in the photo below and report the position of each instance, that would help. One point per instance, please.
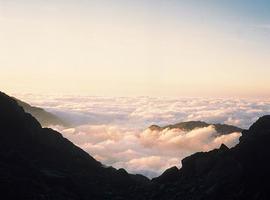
(142, 47)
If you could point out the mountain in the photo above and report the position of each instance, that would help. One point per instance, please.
(238, 173)
(38, 163)
(45, 118)
(222, 129)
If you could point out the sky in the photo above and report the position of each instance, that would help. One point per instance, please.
(114, 67)
(136, 48)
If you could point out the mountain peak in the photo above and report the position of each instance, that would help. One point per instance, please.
(155, 127)
(222, 129)
(223, 147)
(262, 124)
(40, 161)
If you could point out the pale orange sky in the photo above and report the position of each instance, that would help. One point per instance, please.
(127, 48)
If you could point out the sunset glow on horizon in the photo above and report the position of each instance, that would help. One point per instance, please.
(133, 48)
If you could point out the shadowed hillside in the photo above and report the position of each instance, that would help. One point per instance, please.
(38, 163)
(45, 118)
(238, 173)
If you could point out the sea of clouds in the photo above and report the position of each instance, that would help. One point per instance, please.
(115, 130)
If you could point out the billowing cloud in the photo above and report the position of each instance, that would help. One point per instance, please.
(114, 130)
(150, 151)
(180, 141)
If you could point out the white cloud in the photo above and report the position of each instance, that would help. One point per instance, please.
(113, 130)
(179, 141)
(149, 152)
(140, 112)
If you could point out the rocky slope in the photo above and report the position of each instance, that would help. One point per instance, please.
(38, 163)
(45, 118)
(238, 173)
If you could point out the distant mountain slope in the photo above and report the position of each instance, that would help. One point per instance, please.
(191, 125)
(45, 118)
(38, 163)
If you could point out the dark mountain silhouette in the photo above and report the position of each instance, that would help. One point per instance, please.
(38, 163)
(238, 173)
(222, 129)
(45, 118)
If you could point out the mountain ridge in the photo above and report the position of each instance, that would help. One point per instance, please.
(49, 164)
(241, 172)
(44, 117)
(191, 125)
(39, 163)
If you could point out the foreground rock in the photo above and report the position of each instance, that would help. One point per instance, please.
(38, 163)
(238, 173)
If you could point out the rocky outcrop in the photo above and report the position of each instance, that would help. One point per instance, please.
(238, 173)
(222, 129)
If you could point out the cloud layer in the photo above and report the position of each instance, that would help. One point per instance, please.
(140, 112)
(114, 130)
(148, 152)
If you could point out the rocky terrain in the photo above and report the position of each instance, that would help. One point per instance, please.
(39, 163)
